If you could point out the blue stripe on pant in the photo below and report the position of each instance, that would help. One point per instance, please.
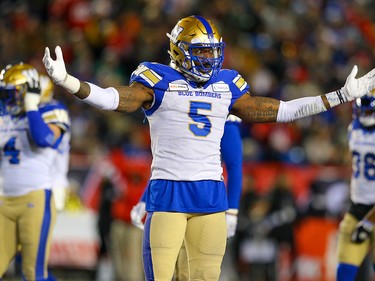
(147, 258)
(45, 230)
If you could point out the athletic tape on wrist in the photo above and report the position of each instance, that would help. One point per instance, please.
(335, 98)
(31, 102)
(71, 84)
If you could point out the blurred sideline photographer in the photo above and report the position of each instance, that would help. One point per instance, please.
(33, 127)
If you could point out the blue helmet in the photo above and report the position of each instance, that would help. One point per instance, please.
(364, 110)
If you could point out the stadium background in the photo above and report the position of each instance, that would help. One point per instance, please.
(283, 48)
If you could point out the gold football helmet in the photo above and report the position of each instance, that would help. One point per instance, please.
(13, 87)
(196, 48)
(46, 86)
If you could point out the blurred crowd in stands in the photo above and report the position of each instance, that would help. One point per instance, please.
(283, 48)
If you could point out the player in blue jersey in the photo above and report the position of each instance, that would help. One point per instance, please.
(187, 105)
(357, 224)
(32, 129)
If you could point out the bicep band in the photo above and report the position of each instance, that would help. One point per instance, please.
(299, 108)
(107, 99)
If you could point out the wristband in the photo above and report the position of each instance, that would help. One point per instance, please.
(336, 98)
(31, 102)
(71, 84)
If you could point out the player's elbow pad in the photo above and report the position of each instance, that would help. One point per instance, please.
(106, 99)
(42, 135)
(299, 108)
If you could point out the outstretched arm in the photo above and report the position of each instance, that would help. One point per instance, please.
(123, 98)
(262, 109)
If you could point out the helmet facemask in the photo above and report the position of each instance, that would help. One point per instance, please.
(11, 98)
(202, 68)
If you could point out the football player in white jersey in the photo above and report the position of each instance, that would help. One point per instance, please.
(33, 128)
(231, 151)
(356, 225)
(60, 168)
(59, 172)
(187, 107)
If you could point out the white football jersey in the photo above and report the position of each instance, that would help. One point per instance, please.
(60, 167)
(187, 121)
(24, 166)
(362, 147)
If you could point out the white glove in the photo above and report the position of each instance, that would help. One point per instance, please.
(33, 93)
(231, 218)
(358, 87)
(57, 71)
(362, 231)
(137, 214)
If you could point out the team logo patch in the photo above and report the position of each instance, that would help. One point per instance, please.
(220, 87)
(178, 87)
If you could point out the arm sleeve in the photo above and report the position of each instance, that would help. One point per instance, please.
(231, 151)
(299, 108)
(107, 99)
(40, 132)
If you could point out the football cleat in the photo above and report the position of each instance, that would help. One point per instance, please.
(196, 48)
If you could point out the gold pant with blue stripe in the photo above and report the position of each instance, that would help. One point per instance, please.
(26, 223)
(205, 237)
(349, 252)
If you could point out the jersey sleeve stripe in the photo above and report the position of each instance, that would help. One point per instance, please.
(151, 77)
(240, 82)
